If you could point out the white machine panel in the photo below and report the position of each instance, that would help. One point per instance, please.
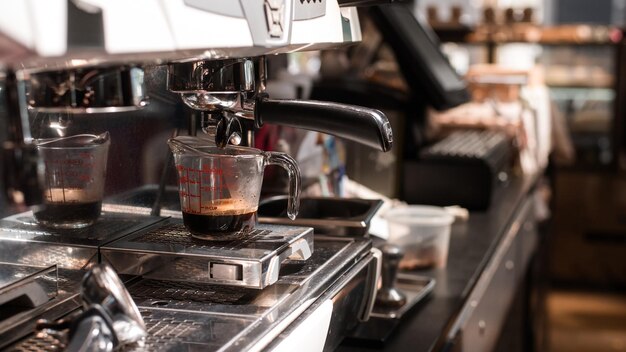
(65, 33)
(49, 25)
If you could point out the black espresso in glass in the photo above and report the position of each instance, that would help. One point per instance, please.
(66, 208)
(219, 227)
(58, 214)
(222, 221)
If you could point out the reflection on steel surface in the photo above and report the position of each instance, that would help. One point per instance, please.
(23, 241)
(168, 252)
(111, 226)
(166, 331)
(183, 316)
(177, 234)
(16, 276)
(49, 291)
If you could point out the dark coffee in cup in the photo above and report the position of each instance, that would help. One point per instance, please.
(68, 208)
(67, 215)
(221, 220)
(218, 227)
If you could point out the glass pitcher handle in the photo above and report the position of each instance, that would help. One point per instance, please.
(288, 163)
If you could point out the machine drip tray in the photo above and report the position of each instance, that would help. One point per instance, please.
(110, 226)
(24, 242)
(24, 288)
(384, 320)
(184, 315)
(414, 287)
(168, 252)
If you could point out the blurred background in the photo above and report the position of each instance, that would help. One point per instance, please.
(480, 95)
(552, 75)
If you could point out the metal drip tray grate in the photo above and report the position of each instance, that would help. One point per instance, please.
(177, 234)
(191, 316)
(167, 331)
(40, 342)
(194, 292)
(183, 332)
(99, 231)
(23, 241)
(168, 252)
(108, 227)
(66, 257)
(208, 298)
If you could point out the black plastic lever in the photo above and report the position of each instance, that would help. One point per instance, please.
(366, 126)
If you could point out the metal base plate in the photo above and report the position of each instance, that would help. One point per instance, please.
(109, 227)
(169, 252)
(49, 290)
(24, 242)
(384, 319)
(184, 316)
(414, 287)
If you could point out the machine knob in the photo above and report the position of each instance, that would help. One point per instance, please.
(388, 295)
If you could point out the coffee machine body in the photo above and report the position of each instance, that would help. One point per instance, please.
(145, 71)
(64, 33)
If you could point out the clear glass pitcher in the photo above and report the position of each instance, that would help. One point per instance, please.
(220, 187)
(74, 169)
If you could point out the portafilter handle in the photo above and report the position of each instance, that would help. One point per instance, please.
(110, 318)
(92, 332)
(363, 125)
(88, 331)
(102, 287)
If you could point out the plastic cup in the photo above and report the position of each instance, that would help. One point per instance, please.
(423, 232)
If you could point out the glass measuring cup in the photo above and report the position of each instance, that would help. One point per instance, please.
(220, 187)
(73, 175)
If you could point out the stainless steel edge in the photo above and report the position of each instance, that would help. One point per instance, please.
(309, 292)
(342, 294)
(486, 278)
(59, 308)
(372, 283)
(361, 221)
(257, 268)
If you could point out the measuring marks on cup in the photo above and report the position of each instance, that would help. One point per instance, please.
(66, 178)
(202, 187)
(212, 204)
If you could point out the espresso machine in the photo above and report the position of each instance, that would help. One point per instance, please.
(90, 66)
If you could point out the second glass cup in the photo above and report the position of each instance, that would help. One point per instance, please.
(73, 180)
(220, 187)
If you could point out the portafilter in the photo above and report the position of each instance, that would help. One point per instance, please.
(109, 319)
(234, 89)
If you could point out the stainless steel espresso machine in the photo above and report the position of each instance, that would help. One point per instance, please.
(93, 68)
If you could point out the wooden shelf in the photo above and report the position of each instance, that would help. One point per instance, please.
(570, 37)
(579, 85)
